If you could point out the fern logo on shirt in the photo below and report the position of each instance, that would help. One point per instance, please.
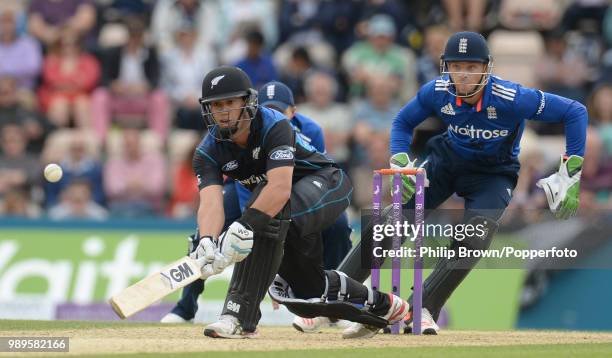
(229, 166)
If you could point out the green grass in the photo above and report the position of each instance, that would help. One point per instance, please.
(519, 351)
(33, 325)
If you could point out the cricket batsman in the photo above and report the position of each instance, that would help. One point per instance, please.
(276, 244)
(336, 238)
(477, 157)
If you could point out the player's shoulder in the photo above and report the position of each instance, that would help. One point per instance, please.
(307, 124)
(514, 96)
(512, 91)
(270, 117)
(434, 90)
(207, 147)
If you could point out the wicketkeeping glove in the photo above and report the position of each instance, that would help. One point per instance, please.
(402, 161)
(563, 188)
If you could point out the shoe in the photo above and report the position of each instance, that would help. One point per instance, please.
(310, 325)
(174, 318)
(227, 327)
(397, 311)
(428, 325)
(340, 323)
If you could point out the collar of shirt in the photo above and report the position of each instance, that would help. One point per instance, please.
(483, 101)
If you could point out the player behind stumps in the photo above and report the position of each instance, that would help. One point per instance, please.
(477, 157)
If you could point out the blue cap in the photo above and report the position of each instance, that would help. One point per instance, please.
(466, 46)
(275, 94)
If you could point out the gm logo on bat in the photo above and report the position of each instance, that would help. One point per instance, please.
(177, 274)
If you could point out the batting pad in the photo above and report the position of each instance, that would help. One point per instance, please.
(316, 307)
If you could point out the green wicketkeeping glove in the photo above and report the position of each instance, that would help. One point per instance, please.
(402, 161)
(563, 188)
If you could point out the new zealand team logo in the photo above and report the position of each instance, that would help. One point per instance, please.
(229, 166)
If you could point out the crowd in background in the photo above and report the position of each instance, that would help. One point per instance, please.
(109, 89)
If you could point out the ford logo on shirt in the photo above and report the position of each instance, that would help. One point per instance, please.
(282, 154)
(229, 166)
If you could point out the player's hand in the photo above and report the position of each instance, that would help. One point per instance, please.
(236, 243)
(204, 254)
(402, 161)
(563, 188)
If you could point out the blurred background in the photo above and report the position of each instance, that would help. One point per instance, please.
(108, 89)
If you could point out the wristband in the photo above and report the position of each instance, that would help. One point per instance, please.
(255, 220)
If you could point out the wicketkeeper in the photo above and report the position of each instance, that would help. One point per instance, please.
(477, 157)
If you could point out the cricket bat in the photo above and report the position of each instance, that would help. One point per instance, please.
(153, 288)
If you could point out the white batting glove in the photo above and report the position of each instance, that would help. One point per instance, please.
(236, 242)
(204, 255)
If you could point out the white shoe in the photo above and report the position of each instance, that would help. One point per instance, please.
(174, 318)
(428, 325)
(310, 325)
(227, 327)
(398, 310)
(341, 324)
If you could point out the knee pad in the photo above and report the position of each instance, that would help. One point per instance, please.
(485, 229)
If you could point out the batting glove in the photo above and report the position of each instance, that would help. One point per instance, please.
(236, 242)
(562, 189)
(204, 255)
(402, 161)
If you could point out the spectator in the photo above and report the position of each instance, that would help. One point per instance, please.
(299, 21)
(600, 107)
(77, 164)
(561, 71)
(428, 65)
(596, 180)
(35, 126)
(69, 76)
(17, 203)
(183, 67)
(379, 56)
(299, 66)
(465, 14)
(337, 20)
(235, 16)
(135, 180)
(20, 55)
(18, 169)
(185, 199)
(375, 115)
(397, 10)
(335, 118)
(130, 92)
(257, 64)
(169, 15)
(48, 19)
(76, 203)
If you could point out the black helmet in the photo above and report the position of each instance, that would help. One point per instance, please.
(467, 46)
(223, 83)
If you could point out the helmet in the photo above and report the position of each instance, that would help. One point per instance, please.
(223, 83)
(277, 95)
(470, 47)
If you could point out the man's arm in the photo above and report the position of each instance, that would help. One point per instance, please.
(211, 215)
(277, 191)
(410, 116)
(553, 108)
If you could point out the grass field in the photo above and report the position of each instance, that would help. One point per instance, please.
(97, 339)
